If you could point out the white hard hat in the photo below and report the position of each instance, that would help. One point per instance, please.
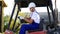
(32, 4)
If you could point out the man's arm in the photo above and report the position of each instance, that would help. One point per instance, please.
(29, 20)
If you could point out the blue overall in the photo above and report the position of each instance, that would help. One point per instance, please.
(26, 27)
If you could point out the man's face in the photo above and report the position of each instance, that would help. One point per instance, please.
(32, 9)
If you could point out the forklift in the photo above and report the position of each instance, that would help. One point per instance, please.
(39, 3)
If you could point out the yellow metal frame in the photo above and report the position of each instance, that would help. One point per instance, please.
(3, 5)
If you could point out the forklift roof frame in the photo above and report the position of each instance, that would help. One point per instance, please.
(20, 5)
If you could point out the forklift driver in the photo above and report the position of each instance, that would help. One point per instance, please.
(33, 21)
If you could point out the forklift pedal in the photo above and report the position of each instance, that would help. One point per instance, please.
(38, 32)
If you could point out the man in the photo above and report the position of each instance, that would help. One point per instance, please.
(33, 21)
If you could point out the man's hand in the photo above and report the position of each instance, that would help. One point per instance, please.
(20, 17)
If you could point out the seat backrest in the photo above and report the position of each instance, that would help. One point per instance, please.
(41, 24)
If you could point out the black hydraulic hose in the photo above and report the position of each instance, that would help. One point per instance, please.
(49, 16)
(15, 19)
(16, 15)
(53, 13)
(48, 5)
(11, 16)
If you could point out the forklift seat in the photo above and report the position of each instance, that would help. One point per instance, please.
(40, 30)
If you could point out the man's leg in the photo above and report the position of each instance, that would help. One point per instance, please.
(26, 27)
